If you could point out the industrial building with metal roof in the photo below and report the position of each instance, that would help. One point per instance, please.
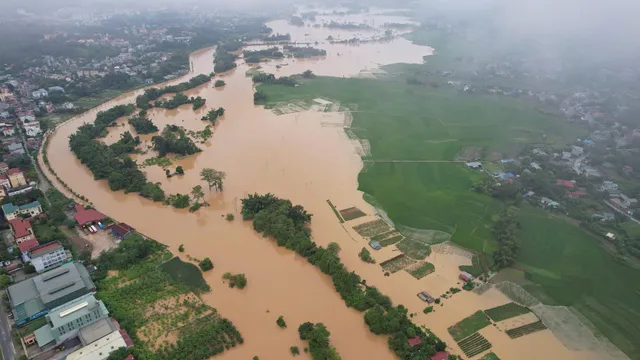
(33, 298)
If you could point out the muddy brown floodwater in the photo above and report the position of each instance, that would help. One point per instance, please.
(293, 156)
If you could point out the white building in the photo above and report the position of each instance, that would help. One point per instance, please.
(608, 186)
(577, 150)
(39, 94)
(8, 130)
(48, 256)
(32, 129)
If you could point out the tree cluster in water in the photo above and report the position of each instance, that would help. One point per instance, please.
(288, 225)
(277, 37)
(319, 344)
(173, 140)
(142, 124)
(304, 52)
(256, 56)
(213, 115)
(110, 162)
(151, 94)
(265, 78)
(223, 60)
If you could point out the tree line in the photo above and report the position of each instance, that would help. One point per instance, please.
(271, 79)
(151, 94)
(304, 52)
(288, 225)
(505, 230)
(111, 162)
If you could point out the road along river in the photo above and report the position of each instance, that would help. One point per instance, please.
(295, 157)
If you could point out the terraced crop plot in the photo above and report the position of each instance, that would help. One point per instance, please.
(372, 228)
(420, 269)
(397, 263)
(474, 345)
(526, 329)
(417, 250)
(388, 238)
(469, 325)
(506, 311)
(391, 240)
(351, 213)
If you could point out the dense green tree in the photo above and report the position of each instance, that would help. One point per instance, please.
(281, 323)
(197, 193)
(206, 264)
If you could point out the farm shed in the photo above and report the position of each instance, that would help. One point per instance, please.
(424, 296)
(440, 355)
(121, 230)
(375, 245)
(465, 276)
(87, 216)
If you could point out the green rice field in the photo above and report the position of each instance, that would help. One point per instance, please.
(571, 267)
(469, 325)
(506, 311)
(417, 132)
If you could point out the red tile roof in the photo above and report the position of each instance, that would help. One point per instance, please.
(13, 171)
(125, 337)
(20, 227)
(45, 248)
(565, 183)
(576, 194)
(84, 216)
(414, 341)
(440, 355)
(28, 244)
(130, 357)
(3, 177)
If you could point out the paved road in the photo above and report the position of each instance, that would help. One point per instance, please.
(621, 212)
(43, 184)
(6, 343)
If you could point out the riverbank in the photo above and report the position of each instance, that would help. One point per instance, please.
(302, 156)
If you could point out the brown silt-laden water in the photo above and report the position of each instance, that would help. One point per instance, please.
(295, 157)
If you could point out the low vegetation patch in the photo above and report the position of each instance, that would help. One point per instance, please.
(421, 269)
(352, 213)
(490, 356)
(372, 228)
(474, 345)
(391, 240)
(526, 329)
(481, 264)
(335, 211)
(154, 297)
(414, 249)
(506, 311)
(186, 273)
(469, 325)
(397, 263)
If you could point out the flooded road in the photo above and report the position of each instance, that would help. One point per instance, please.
(296, 157)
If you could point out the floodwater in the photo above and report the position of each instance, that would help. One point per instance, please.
(293, 156)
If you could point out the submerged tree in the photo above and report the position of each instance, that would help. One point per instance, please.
(214, 178)
(197, 193)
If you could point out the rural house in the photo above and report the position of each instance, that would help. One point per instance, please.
(565, 183)
(121, 230)
(47, 257)
(16, 178)
(549, 203)
(11, 211)
(87, 216)
(465, 276)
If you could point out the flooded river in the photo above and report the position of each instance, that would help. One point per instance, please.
(293, 156)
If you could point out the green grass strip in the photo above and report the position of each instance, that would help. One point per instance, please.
(335, 211)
